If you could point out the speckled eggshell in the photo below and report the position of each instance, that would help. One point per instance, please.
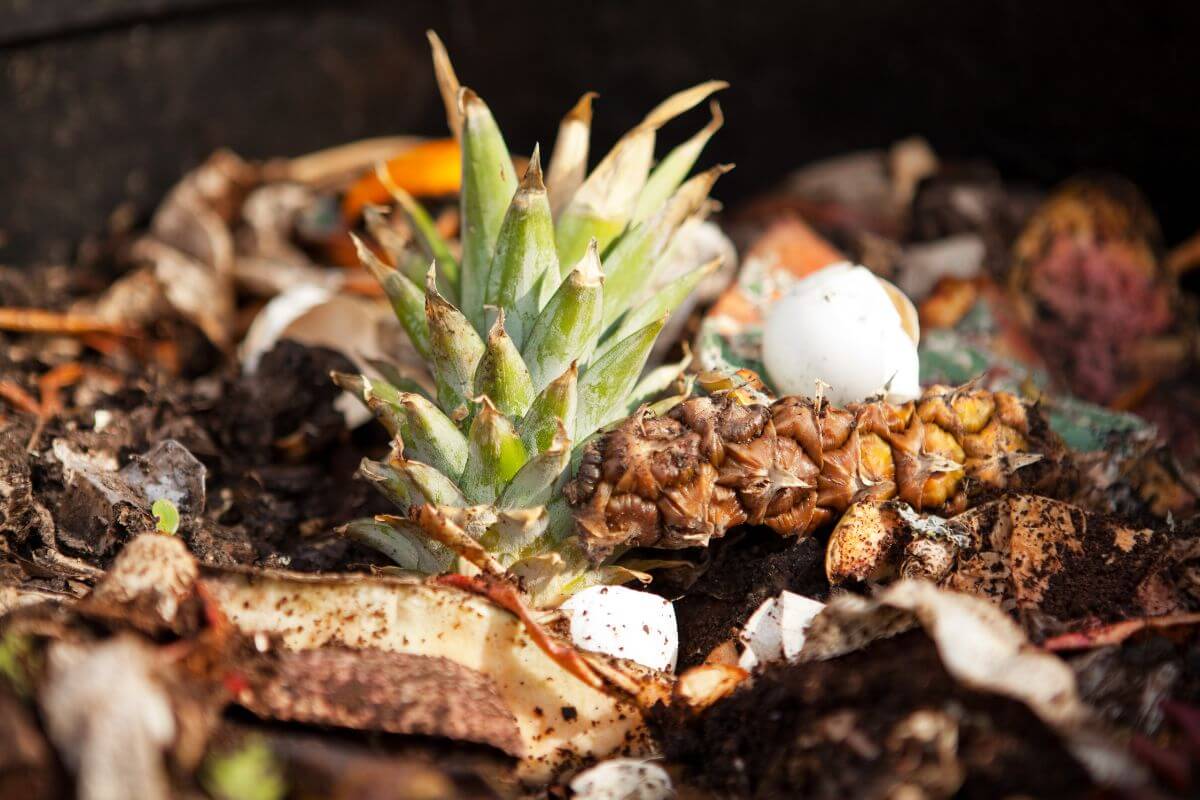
(625, 623)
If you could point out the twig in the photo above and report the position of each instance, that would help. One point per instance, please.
(505, 595)
(50, 384)
(39, 320)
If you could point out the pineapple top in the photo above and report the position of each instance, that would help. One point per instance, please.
(536, 334)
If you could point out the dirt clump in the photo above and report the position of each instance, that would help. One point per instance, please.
(873, 723)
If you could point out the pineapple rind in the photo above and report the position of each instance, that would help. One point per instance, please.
(795, 466)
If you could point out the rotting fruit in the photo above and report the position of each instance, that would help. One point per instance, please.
(796, 464)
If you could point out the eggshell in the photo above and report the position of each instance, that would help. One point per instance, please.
(840, 326)
(623, 779)
(776, 630)
(625, 623)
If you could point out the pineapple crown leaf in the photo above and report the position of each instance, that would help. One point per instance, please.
(447, 82)
(534, 335)
(532, 180)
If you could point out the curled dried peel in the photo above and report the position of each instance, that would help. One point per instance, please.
(798, 464)
(561, 719)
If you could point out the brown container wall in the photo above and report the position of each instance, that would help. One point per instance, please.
(105, 103)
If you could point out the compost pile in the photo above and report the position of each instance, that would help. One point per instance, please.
(591, 551)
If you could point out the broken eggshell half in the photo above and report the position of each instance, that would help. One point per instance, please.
(846, 328)
(775, 631)
(625, 623)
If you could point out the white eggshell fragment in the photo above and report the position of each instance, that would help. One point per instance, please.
(776, 630)
(622, 779)
(840, 326)
(625, 623)
(762, 635)
(798, 613)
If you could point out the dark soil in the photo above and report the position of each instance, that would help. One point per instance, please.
(279, 463)
(746, 569)
(1127, 685)
(1101, 580)
(836, 729)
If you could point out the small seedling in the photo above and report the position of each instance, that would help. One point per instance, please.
(167, 516)
(251, 772)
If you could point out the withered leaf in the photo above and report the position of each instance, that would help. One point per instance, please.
(375, 690)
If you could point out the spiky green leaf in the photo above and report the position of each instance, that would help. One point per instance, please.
(403, 542)
(502, 374)
(604, 204)
(655, 382)
(494, 454)
(569, 325)
(628, 268)
(408, 483)
(671, 171)
(407, 300)
(607, 382)
(664, 301)
(488, 185)
(552, 409)
(568, 162)
(455, 349)
(391, 373)
(380, 397)
(524, 253)
(535, 483)
(432, 437)
(435, 247)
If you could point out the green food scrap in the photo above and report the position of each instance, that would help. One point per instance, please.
(167, 515)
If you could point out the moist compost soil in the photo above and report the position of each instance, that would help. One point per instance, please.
(833, 729)
(278, 456)
(1100, 581)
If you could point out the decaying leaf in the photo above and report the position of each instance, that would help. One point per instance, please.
(1025, 552)
(979, 645)
(377, 690)
(109, 718)
(104, 498)
(1029, 552)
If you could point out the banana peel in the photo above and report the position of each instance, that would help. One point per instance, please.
(568, 707)
(563, 720)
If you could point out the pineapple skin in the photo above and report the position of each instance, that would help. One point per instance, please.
(714, 462)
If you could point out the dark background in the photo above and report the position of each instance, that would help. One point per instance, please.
(104, 102)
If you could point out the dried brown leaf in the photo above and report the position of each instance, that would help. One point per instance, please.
(376, 690)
